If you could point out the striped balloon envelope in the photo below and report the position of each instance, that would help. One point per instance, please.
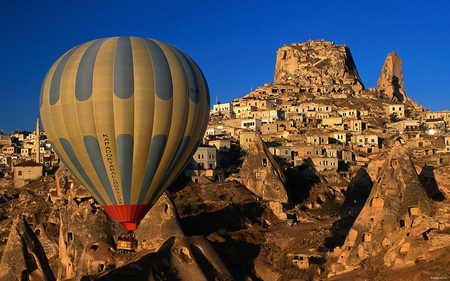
(125, 115)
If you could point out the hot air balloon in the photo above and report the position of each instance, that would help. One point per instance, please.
(125, 115)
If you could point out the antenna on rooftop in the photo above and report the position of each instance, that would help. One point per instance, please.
(217, 98)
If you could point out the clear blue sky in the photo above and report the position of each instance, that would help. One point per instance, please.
(233, 42)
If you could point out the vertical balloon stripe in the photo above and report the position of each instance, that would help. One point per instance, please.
(178, 172)
(123, 69)
(178, 154)
(125, 156)
(76, 163)
(161, 70)
(85, 73)
(56, 79)
(190, 75)
(41, 96)
(95, 155)
(158, 144)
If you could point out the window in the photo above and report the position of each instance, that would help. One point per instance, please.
(19, 173)
(259, 176)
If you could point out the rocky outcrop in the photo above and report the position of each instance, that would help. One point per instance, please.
(160, 223)
(82, 224)
(24, 257)
(319, 67)
(180, 258)
(262, 175)
(396, 218)
(390, 83)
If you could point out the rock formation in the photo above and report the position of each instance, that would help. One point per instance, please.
(24, 257)
(86, 233)
(318, 66)
(262, 175)
(160, 223)
(180, 258)
(390, 83)
(395, 219)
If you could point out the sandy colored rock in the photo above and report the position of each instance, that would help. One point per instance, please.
(394, 217)
(180, 258)
(390, 83)
(160, 223)
(24, 257)
(262, 175)
(322, 65)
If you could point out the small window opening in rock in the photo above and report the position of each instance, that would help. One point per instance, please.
(264, 162)
(407, 234)
(349, 248)
(94, 247)
(413, 211)
(101, 267)
(425, 236)
(394, 163)
(371, 219)
(37, 232)
(166, 208)
(402, 223)
(69, 236)
(367, 237)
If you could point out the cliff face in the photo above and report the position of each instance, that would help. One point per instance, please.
(390, 83)
(396, 217)
(320, 65)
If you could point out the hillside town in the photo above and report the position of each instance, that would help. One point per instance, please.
(312, 138)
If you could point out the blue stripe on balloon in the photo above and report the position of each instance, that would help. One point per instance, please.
(85, 73)
(123, 69)
(161, 70)
(157, 146)
(55, 85)
(182, 146)
(41, 97)
(68, 149)
(125, 157)
(187, 161)
(194, 94)
(93, 149)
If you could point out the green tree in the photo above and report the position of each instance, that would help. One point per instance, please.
(394, 117)
(423, 127)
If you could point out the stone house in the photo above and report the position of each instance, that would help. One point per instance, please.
(205, 158)
(331, 122)
(223, 108)
(269, 128)
(340, 137)
(221, 144)
(354, 125)
(365, 140)
(318, 139)
(348, 113)
(26, 172)
(9, 150)
(282, 152)
(405, 126)
(447, 143)
(245, 139)
(325, 163)
(240, 109)
(251, 124)
(398, 109)
(443, 114)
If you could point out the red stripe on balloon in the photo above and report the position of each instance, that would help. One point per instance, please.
(129, 215)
